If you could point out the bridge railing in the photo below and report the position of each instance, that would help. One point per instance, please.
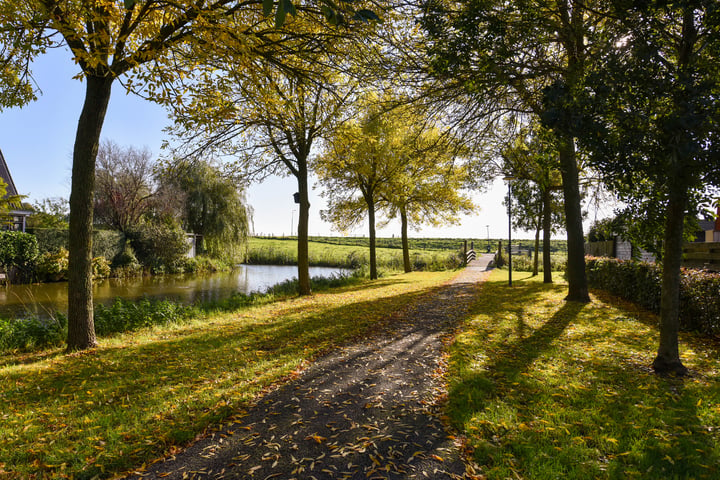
(470, 256)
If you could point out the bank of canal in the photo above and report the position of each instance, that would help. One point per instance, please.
(45, 298)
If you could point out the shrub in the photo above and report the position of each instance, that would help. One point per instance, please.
(106, 243)
(158, 245)
(202, 264)
(434, 262)
(291, 287)
(52, 266)
(125, 264)
(640, 282)
(700, 300)
(122, 316)
(32, 333)
(51, 239)
(18, 253)
(523, 263)
(100, 267)
(129, 315)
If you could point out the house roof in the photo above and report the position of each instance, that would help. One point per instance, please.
(6, 177)
(706, 225)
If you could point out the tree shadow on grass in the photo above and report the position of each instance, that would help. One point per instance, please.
(511, 360)
(584, 411)
(28, 358)
(659, 429)
(139, 399)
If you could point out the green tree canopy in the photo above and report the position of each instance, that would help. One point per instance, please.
(271, 118)
(212, 205)
(532, 159)
(654, 131)
(525, 57)
(363, 157)
(49, 213)
(427, 189)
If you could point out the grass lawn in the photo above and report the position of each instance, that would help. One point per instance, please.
(546, 389)
(139, 396)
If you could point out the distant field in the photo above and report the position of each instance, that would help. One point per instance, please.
(333, 252)
(427, 243)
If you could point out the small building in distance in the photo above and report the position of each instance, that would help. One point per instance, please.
(709, 229)
(17, 214)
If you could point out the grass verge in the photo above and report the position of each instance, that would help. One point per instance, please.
(547, 389)
(142, 395)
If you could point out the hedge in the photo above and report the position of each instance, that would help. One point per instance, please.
(640, 283)
(106, 243)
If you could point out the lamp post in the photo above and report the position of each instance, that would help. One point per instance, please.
(508, 179)
(488, 238)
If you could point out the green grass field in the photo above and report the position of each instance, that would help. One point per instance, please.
(353, 252)
(452, 244)
(545, 389)
(276, 251)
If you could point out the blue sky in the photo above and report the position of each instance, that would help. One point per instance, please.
(37, 142)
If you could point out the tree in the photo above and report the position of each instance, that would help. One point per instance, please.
(528, 57)
(124, 190)
(606, 229)
(272, 118)
(654, 134)
(8, 203)
(532, 205)
(140, 41)
(49, 213)
(426, 189)
(212, 204)
(17, 49)
(363, 157)
(532, 160)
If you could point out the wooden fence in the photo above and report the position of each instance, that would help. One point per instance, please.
(600, 249)
(695, 255)
(702, 255)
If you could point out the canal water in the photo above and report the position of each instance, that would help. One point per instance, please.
(46, 298)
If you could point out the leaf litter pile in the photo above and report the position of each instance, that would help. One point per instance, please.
(369, 411)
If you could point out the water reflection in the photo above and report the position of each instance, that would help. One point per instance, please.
(42, 299)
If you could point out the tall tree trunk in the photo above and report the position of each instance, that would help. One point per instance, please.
(302, 230)
(571, 36)
(547, 231)
(537, 250)
(371, 227)
(81, 326)
(668, 355)
(405, 241)
(577, 280)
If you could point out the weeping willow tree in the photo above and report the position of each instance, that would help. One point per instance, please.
(212, 204)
